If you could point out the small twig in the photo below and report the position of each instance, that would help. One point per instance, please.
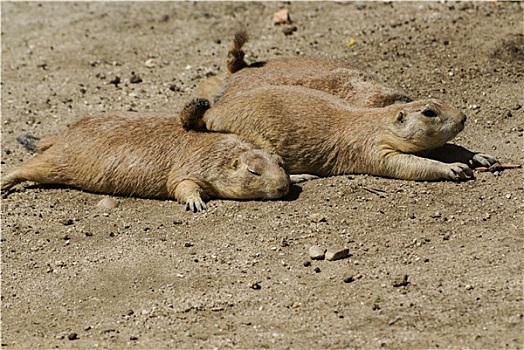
(498, 167)
(377, 191)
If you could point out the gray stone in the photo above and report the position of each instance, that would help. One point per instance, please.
(337, 253)
(316, 253)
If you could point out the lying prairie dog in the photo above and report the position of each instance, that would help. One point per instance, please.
(334, 76)
(317, 133)
(154, 156)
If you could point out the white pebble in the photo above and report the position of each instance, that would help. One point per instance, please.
(150, 63)
(107, 203)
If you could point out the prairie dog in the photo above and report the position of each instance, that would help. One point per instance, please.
(334, 76)
(320, 134)
(154, 156)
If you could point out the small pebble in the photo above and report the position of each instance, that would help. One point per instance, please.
(67, 222)
(316, 253)
(349, 279)
(72, 336)
(317, 269)
(107, 203)
(337, 253)
(307, 263)
(256, 286)
(135, 79)
(150, 63)
(115, 80)
(289, 30)
(400, 281)
(281, 17)
(133, 337)
(317, 217)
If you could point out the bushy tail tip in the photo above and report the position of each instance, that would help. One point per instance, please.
(235, 60)
(191, 115)
(241, 37)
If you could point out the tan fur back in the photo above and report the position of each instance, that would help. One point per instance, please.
(148, 155)
(334, 76)
(321, 134)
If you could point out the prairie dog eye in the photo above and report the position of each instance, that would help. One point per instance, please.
(429, 113)
(254, 172)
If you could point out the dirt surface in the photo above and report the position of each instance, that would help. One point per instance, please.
(149, 275)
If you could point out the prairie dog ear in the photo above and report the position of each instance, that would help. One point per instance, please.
(400, 117)
(235, 163)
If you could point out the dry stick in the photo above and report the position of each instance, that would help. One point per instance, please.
(377, 191)
(498, 167)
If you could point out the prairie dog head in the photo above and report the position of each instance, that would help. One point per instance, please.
(255, 173)
(423, 125)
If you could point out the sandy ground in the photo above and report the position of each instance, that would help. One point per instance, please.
(149, 275)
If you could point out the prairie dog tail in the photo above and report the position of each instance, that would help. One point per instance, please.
(191, 115)
(235, 60)
(29, 142)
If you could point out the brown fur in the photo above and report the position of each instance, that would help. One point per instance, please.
(334, 76)
(153, 156)
(317, 133)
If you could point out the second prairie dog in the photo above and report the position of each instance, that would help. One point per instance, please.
(317, 133)
(152, 156)
(333, 76)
